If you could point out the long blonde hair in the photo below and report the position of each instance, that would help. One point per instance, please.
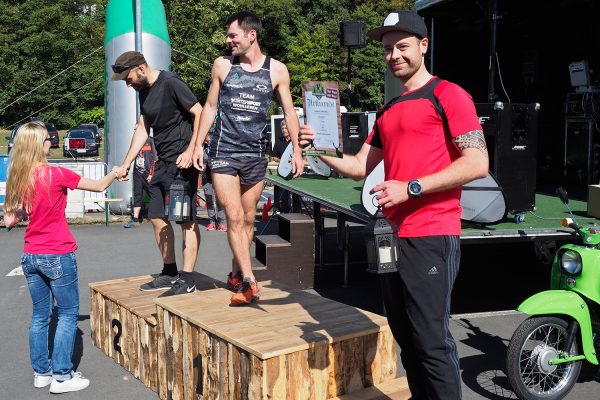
(27, 155)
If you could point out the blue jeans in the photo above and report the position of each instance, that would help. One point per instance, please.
(49, 277)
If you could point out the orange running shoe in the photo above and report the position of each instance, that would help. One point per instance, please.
(248, 293)
(234, 282)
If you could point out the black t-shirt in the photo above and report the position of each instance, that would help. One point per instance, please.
(279, 147)
(165, 106)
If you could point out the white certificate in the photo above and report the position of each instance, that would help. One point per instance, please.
(322, 113)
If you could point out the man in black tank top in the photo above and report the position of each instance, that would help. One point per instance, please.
(241, 90)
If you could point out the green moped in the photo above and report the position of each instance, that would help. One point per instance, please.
(545, 352)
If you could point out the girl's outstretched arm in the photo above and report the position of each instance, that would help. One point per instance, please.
(98, 185)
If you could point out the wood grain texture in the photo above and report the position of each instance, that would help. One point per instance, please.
(162, 352)
(396, 389)
(291, 345)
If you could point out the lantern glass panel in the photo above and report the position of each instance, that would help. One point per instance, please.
(386, 252)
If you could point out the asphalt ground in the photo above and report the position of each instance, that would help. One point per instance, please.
(492, 281)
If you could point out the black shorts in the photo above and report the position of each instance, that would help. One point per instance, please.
(164, 174)
(251, 170)
(140, 185)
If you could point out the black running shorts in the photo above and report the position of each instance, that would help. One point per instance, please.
(251, 170)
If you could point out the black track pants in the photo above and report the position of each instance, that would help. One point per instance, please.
(417, 302)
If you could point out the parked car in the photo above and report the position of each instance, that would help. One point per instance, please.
(53, 132)
(11, 138)
(80, 142)
(97, 130)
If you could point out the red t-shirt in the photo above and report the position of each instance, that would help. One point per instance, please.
(48, 231)
(411, 133)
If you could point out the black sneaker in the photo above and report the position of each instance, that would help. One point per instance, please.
(180, 287)
(159, 283)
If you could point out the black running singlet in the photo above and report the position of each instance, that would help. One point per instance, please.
(242, 117)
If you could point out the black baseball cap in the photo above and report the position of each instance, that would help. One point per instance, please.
(125, 62)
(400, 21)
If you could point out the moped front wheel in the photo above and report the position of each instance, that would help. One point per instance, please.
(536, 341)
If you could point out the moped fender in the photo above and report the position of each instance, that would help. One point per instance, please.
(565, 303)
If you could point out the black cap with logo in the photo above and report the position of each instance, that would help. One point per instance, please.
(400, 21)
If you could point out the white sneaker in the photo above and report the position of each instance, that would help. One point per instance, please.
(40, 381)
(77, 382)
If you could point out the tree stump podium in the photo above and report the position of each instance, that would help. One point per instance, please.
(290, 345)
(123, 323)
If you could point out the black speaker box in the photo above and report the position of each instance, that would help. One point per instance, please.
(511, 132)
(352, 34)
(581, 164)
(355, 129)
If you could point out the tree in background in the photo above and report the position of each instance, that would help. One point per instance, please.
(197, 33)
(38, 40)
(42, 38)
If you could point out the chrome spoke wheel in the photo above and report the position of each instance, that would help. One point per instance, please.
(535, 343)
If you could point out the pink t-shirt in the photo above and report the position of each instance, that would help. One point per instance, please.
(48, 231)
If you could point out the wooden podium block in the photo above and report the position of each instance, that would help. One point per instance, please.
(290, 345)
(123, 323)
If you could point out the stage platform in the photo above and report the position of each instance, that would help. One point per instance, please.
(343, 196)
(292, 344)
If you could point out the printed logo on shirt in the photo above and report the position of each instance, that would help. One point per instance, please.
(235, 75)
(242, 118)
(433, 271)
(261, 88)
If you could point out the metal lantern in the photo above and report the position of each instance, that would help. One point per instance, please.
(179, 205)
(381, 243)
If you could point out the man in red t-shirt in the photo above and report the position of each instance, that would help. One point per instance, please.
(432, 143)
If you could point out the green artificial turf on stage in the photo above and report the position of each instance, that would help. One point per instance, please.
(346, 193)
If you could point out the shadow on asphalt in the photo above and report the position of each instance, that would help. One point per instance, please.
(483, 374)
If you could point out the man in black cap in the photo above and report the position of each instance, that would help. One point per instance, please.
(432, 143)
(171, 110)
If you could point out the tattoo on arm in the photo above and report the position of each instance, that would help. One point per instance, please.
(471, 140)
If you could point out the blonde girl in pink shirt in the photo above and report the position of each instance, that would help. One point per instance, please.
(38, 190)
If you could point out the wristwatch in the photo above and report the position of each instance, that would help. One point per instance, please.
(414, 188)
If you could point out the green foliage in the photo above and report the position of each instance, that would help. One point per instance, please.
(57, 45)
(312, 56)
(92, 116)
(197, 33)
(39, 40)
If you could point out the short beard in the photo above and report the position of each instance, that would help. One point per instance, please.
(141, 85)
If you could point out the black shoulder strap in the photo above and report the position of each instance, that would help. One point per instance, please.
(267, 63)
(236, 61)
(439, 108)
(426, 92)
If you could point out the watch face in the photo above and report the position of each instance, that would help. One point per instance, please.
(415, 188)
